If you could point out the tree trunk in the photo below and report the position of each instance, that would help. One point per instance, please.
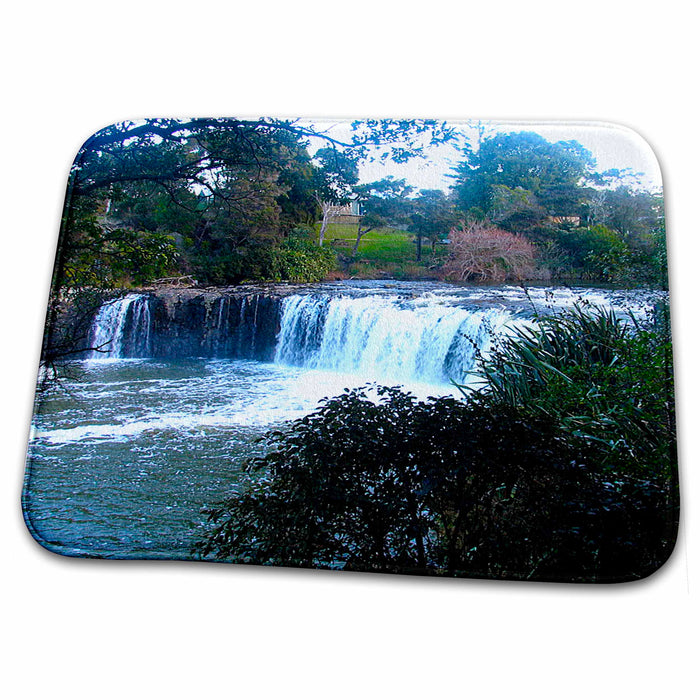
(360, 233)
(324, 223)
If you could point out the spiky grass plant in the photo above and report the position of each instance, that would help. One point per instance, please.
(601, 377)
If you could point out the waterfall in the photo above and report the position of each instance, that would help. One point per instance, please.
(122, 328)
(385, 338)
(241, 323)
(425, 338)
(221, 330)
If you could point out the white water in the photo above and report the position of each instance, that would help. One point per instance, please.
(424, 339)
(108, 330)
(386, 338)
(428, 333)
(327, 342)
(131, 399)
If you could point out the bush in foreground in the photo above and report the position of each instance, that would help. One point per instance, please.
(497, 486)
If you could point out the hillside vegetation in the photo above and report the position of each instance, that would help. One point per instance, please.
(226, 201)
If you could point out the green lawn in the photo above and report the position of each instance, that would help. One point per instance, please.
(384, 252)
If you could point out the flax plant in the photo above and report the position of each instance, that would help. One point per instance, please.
(599, 376)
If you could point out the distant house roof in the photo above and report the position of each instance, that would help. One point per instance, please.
(346, 213)
(576, 220)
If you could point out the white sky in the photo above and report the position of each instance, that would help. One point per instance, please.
(612, 146)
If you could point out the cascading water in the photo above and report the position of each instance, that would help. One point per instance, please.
(139, 339)
(124, 461)
(386, 338)
(122, 328)
(427, 336)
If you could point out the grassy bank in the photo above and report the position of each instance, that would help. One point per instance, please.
(383, 253)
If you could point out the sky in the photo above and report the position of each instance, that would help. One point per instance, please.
(612, 146)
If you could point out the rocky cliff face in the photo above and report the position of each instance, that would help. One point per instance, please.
(214, 324)
(237, 322)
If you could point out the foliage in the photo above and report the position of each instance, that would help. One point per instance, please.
(225, 189)
(442, 487)
(603, 379)
(102, 256)
(631, 212)
(430, 215)
(299, 260)
(515, 209)
(173, 152)
(296, 259)
(601, 253)
(382, 203)
(559, 468)
(545, 191)
(659, 266)
(486, 253)
(550, 172)
(597, 251)
(553, 261)
(337, 174)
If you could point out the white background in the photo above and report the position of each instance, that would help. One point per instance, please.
(100, 629)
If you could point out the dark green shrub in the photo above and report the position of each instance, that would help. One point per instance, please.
(443, 487)
(597, 252)
(294, 260)
(300, 260)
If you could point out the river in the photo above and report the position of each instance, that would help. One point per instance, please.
(124, 456)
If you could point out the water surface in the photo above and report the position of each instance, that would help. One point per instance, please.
(124, 456)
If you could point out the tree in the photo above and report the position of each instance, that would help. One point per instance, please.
(634, 213)
(246, 182)
(598, 251)
(485, 253)
(329, 210)
(431, 216)
(550, 172)
(381, 203)
(98, 251)
(515, 209)
(336, 176)
(337, 173)
(148, 172)
(633, 217)
(148, 150)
